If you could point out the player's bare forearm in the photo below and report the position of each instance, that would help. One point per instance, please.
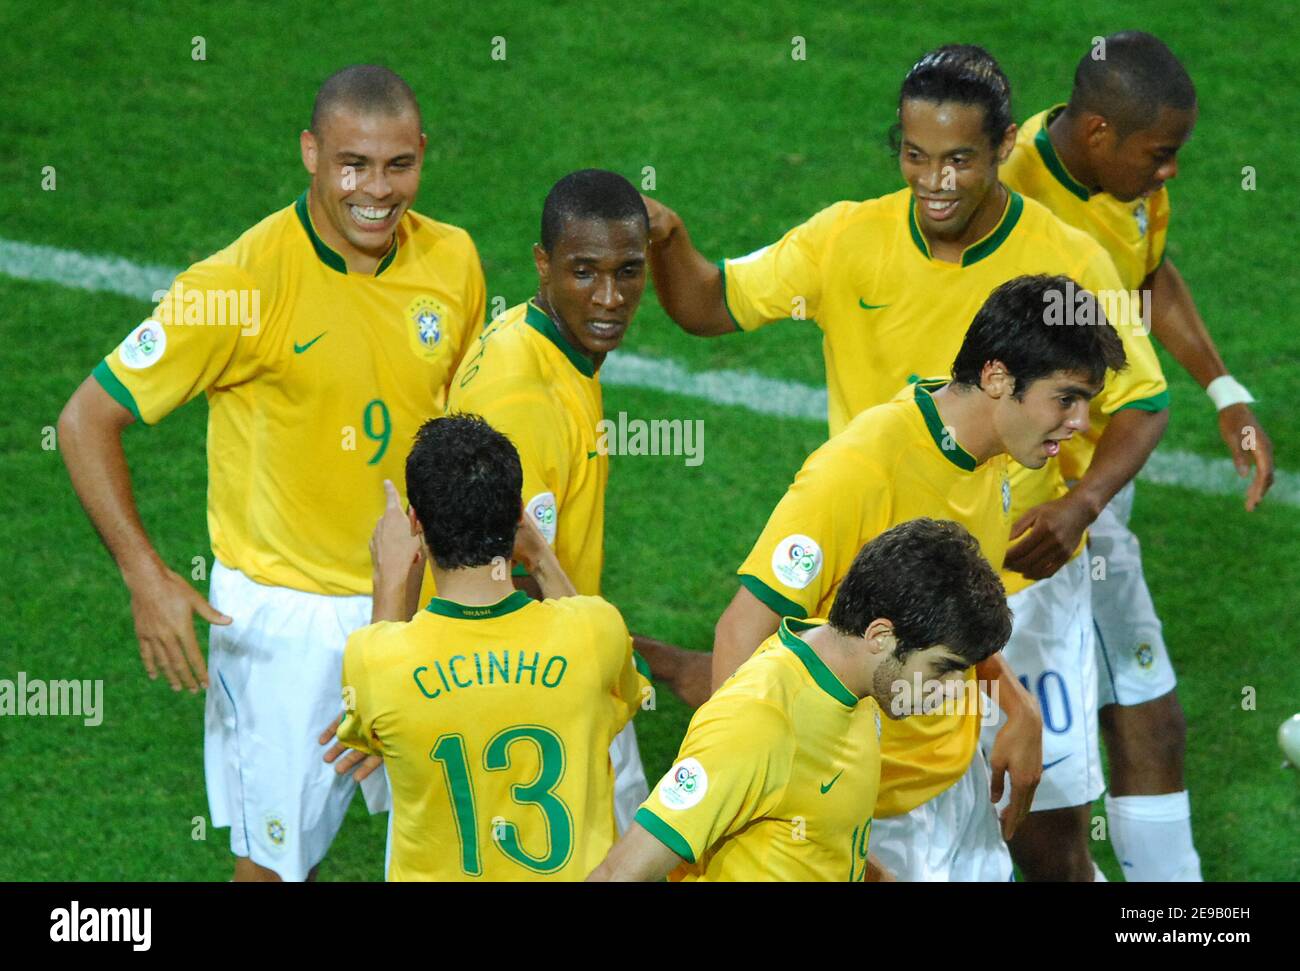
(90, 441)
(551, 579)
(637, 856)
(1011, 695)
(744, 625)
(546, 578)
(688, 284)
(1178, 326)
(1124, 447)
(687, 673)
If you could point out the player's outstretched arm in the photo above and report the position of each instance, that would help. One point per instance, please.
(397, 561)
(636, 856)
(1018, 747)
(689, 286)
(163, 604)
(687, 673)
(1177, 324)
(744, 625)
(543, 566)
(1045, 536)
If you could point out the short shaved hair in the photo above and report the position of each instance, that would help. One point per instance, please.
(368, 88)
(1137, 77)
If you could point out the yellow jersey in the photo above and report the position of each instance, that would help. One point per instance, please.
(888, 310)
(531, 385)
(316, 378)
(777, 775)
(893, 463)
(495, 724)
(1133, 233)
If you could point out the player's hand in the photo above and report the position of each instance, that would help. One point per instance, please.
(1053, 533)
(394, 552)
(163, 605)
(363, 763)
(530, 544)
(1249, 445)
(662, 219)
(1017, 751)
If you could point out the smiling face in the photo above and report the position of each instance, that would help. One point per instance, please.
(1052, 410)
(948, 160)
(1142, 163)
(593, 279)
(365, 169)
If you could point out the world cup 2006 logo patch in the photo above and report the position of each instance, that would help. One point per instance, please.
(684, 785)
(796, 561)
(427, 317)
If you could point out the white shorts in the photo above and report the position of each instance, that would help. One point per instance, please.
(954, 837)
(1133, 661)
(275, 684)
(1053, 652)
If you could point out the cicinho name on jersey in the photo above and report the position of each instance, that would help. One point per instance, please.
(489, 668)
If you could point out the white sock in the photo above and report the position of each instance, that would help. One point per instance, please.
(1097, 875)
(1152, 836)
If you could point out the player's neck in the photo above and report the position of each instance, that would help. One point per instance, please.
(357, 260)
(596, 359)
(989, 214)
(844, 657)
(1067, 142)
(474, 586)
(965, 415)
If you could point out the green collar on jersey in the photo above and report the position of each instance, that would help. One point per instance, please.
(506, 605)
(790, 629)
(984, 247)
(948, 446)
(1047, 151)
(324, 253)
(540, 321)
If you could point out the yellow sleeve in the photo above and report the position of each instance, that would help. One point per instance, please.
(1158, 214)
(837, 502)
(357, 729)
(1142, 382)
(733, 767)
(191, 342)
(784, 279)
(629, 673)
(475, 304)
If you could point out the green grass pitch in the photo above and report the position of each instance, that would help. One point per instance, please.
(162, 159)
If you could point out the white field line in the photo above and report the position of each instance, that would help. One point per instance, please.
(754, 392)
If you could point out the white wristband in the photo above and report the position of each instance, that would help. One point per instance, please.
(1226, 390)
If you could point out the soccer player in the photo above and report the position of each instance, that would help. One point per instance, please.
(1100, 163)
(778, 774)
(494, 712)
(535, 377)
(356, 312)
(939, 449)
(890, 282)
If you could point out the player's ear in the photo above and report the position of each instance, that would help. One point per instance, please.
(880, 636)
(542, 260)
(416, 528)
(994, 379)
(1008, 143)
(1096, 129)
(307, 143)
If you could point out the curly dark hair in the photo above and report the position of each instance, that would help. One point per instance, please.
(464, 480)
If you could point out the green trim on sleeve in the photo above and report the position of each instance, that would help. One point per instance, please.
(722, 268)
(782, 606)
(642, 667)
(116, 389)
(1157, 402)
(664, 833)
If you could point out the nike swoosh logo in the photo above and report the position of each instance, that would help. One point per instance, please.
(1048, 765)
(871, 306)
(827, 787)
(592, 455)
(299, 348)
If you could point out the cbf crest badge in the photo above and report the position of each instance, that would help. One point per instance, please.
(426, 318)
(1140, 214)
